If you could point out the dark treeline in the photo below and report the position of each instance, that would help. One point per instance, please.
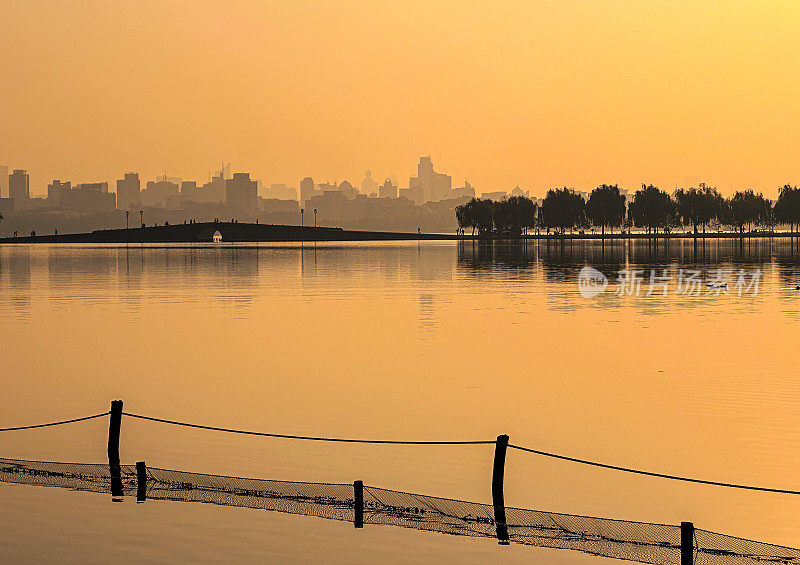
(651, 209)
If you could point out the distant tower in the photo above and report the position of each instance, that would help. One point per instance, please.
(19, 186)
(428, 185)
(241, 192)
(129, 192)
(368, 185)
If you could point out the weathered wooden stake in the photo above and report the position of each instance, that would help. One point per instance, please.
(687, 543)
(358, 504)
(114, 424)
(498, 471)
(141, 481)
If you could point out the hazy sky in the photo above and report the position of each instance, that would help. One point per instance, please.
(539, 93)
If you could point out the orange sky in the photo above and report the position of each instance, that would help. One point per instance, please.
(541, 93)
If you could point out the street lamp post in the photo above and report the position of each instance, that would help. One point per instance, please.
(127, 213)
(301, 217)
(315, 217)
(141, 220)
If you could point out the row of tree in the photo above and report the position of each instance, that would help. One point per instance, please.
(651, 209)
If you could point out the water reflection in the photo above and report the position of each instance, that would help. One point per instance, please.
(560, 258)
(237, 275)
(18, 298)
(259, 336)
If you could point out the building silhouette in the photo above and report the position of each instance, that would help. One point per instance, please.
(6, 206)
(55, 190)
(368, 185)
(86, 206)
(279, 192)
(87, 198)
(241, 193)
(307, 188)
(188, 190)
(497, 195)
(517, 191)
(158, 193)
(91, 197)
(466, 191)
(129, 192)
(347, 190)
(19, 189)
(214, 191)
(428, 185)
(387, 189)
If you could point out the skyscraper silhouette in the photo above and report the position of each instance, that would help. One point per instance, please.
(19, 187)
(129, 192)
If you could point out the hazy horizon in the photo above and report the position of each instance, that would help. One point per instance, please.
(537, 94)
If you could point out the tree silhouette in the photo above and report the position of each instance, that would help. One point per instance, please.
(698, 206)
(606, 207)
(509, 216)
(513, 215)
(476, 214)
(462, 217)
(563, 208)
(652, 208)
(747, 208)
(787, 208)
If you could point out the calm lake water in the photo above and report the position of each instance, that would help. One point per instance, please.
(422, 341)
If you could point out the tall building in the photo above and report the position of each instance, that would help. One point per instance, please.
(55, 192)
(428, 185)
(241, 193)
(306, 190)
(129, 192)
(19, 188)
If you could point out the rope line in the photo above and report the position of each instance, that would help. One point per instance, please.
(54, 423)
(308, 438)
(402, 442)
(651, 474)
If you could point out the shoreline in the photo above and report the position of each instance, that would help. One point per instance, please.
(234, 232)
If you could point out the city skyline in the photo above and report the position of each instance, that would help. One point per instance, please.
(293, 190)
(133, 190)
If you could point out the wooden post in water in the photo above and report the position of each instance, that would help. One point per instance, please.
(498, 471)
(358, 504)
(687, 543)
(114, 424)
(141, 481)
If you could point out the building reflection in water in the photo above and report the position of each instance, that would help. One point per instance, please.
(430, 271)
